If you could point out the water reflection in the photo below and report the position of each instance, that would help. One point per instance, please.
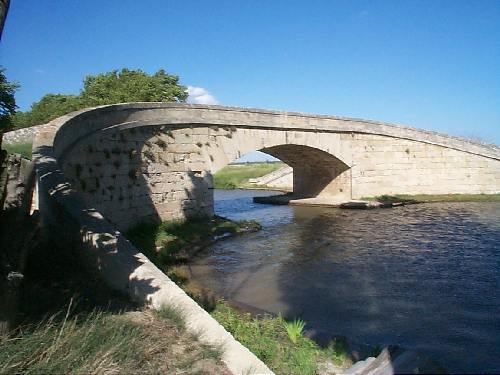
(425, 277)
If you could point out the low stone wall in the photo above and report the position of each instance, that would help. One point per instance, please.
(122, 266)
(24, 135)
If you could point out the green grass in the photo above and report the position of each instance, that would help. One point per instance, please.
(294, 329)
(268, 339)
(18, 148)
(237, 176)
(436, 198)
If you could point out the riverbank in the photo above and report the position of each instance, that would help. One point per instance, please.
(237, 176)
(278, 342)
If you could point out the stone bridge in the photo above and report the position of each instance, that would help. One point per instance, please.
(150, 161)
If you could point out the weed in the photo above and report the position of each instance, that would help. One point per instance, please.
(294, 329)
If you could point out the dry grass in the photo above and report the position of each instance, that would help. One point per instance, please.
(104, 343)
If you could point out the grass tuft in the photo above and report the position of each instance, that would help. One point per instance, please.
(294, 329)
(173, 314)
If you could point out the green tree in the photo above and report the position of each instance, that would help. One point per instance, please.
(7, 101)
(48, 108)
(106, 88)
(132, 86)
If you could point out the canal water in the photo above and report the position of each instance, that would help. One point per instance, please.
(425, 277)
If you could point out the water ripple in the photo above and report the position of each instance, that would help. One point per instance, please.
(424, 276)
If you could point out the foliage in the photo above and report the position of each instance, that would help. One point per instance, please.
(267, 338)
(117, 86)
(294, 329)
(237, 176)
(49, 107)
(18, 148)
(132, 86)
(7, 100)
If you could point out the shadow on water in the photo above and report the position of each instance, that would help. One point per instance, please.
(423, 277)
(420, 277)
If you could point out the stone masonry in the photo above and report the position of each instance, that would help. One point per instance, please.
(155, 161)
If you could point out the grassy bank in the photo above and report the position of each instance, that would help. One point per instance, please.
(436, 198)
(237, 176)
(280, 344)
(103, 342)
(18, 148)
(69, 321)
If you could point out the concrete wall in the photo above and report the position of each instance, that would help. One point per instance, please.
(140, 161)
(281, 179)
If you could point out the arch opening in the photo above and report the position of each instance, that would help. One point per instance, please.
(316, 173)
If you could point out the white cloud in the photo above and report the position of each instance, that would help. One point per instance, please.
(199, 95)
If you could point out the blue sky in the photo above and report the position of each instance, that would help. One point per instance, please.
(427, 64)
